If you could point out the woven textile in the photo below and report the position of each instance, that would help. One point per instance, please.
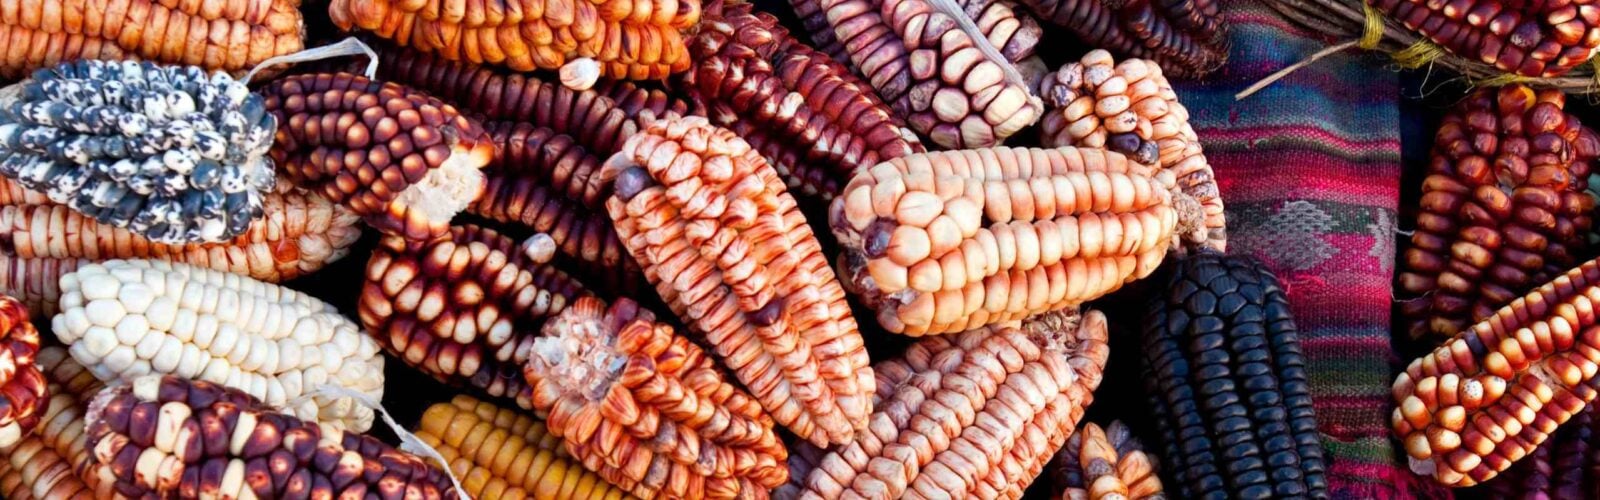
(1310, 168)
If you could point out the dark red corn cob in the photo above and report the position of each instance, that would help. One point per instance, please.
(169, 437)
(1186, 37)
(23, 394)
(463, 309)
(1504, 208)
(814, 121)
(402, 160)
(1227, 380)
(1529, 38)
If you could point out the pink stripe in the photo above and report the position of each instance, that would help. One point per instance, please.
(1255, 133)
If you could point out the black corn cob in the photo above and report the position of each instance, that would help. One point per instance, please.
(1227, 381)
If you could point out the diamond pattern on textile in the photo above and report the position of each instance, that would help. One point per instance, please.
(1292, 237)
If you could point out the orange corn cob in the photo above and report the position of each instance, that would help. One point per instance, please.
(647, 410)
(949, 241)
(1497, 390)
(500, 453)
(40, 241)
(228, 35)
(729, 251)
(971, 415)
(639, 40)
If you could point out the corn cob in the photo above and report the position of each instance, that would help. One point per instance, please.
(462, 309)
(935, 69)
(971, 415)
(549, 140)
(165, 437)
(729, 251)
(1187, 38)
(23, 394)
(1504, 207)
(54, 462)
(1130, 108)
(646, 105)
(40, 241)
(813, 120)
(613, 38)
(1065, 226)
(227, 35)
(1490, 395)
(1106, 464)
(167, 152)
(1559, 468)
(126, 318)
(503, 454)
(1526, 38)
(404, 161)
(647, 410)
(1226, 378)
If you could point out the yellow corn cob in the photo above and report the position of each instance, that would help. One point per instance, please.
(127, 318)
(500, 453)
(53, 462)
(299, 233)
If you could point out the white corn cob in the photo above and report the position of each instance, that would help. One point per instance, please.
(299, 233)
(126, 318)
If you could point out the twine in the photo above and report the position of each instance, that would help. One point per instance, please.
(1418, 54)
(1371, 35)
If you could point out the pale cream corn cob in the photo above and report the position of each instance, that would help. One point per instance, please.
(127, 318)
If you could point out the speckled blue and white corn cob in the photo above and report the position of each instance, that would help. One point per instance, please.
(172, 153)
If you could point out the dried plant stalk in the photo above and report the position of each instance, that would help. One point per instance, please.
(40, 241)
(1189, 39)
(619, 38)
(228, 35)
(23, 388)
(949, 241)
(943, 77)
(53, 463)
(503, 454)
(402, 160)
(462, 309)
(1505, 207)
(647, 410)
(123, 319)
(971, 415)
(1494, 392)
(1226, 378)
(1130, 108)
(166, 437)
(1535, 39)
(729, 251)
(814, 121)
